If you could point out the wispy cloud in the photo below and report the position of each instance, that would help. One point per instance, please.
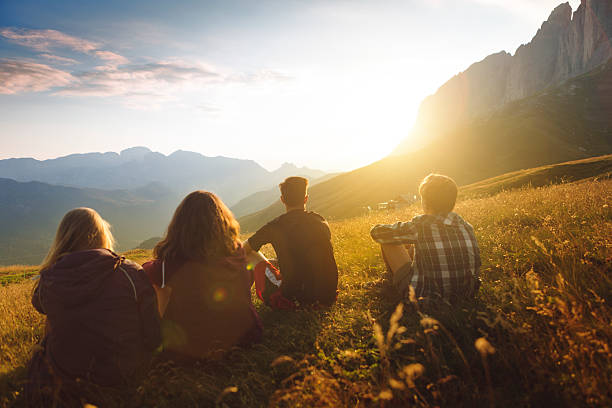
(130, 80)
(24, 76)
(111, 57)
(139, 86)
(59, 60)
(45, 40)
(145, 86)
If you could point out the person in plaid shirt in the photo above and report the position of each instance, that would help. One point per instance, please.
(445, 259)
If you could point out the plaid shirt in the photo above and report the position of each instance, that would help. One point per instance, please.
(446, 257)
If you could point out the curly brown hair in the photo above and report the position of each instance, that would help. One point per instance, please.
(202, 229)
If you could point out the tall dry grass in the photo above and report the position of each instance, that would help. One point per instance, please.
(538, 334)
(20, 330)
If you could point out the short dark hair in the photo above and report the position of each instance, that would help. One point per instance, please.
(293, 190)
(439, 193)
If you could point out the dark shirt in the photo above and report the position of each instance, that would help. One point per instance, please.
(302, 242)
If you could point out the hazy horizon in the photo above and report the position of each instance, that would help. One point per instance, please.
(327, 85)
(271, 169)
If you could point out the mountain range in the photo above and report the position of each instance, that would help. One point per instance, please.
(181, 171)
(136, 190)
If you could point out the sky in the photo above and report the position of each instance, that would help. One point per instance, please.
(328, 84)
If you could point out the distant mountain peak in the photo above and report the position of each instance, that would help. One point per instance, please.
(135, 150)
(290, 169)
(561, 14)
(287, 165)
(185, 154)
(135, 153)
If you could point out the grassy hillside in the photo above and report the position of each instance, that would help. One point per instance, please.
(538, 334)
(340, 198)
(595, 167)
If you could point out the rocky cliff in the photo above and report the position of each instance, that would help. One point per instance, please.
(567, 45)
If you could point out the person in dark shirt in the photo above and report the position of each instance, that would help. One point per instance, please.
(302, 242)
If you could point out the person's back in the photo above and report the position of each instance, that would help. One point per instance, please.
(94, 302)
(446, 259)
(210, 306)
(302, 242)
(446, 256)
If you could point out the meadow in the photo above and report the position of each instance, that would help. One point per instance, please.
(539, 332)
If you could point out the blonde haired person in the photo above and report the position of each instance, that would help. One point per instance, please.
(446, 260)
(102, 321)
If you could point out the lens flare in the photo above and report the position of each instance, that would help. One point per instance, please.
(219, 295)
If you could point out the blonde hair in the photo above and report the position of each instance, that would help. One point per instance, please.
(439, 193)
(80, 229)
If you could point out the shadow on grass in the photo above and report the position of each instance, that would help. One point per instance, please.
(242, 376)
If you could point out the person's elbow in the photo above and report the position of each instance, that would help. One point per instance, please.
(374, 232)
(37, 301)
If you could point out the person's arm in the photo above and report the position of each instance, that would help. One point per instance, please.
(253, 257)
(327, 229)
(156, 272)
(395, 234)
(255, 330)
(247, 248)
(36, 298)
(255, 242)
(262, 237)
(163, 298)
